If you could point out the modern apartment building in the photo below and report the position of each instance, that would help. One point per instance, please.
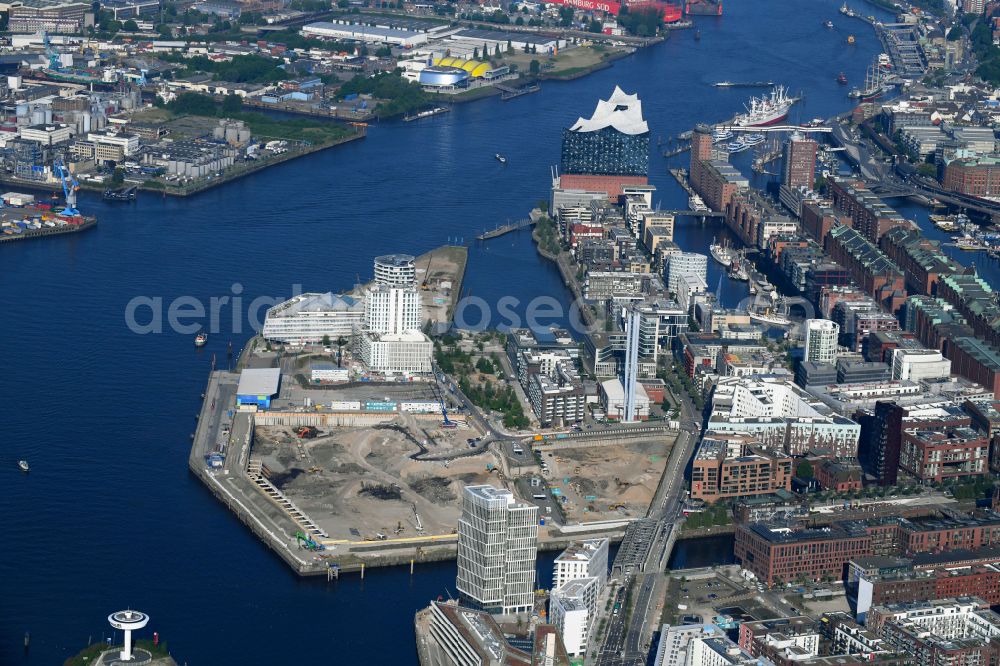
(781, 416)
(497, 545)
(572, 611)
(582, 559)
(729, 465)
(395, 270)
(821, 340)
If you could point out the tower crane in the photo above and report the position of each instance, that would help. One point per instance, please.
(70, 187)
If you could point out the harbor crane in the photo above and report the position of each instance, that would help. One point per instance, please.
(70, 187)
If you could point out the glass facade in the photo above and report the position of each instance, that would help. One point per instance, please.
(605, 152)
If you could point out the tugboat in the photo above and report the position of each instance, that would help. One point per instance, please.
(842, 79)
(500, 158)
(201, 339)
(23, 464)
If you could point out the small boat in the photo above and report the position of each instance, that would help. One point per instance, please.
(736, 146)
(828, 24)
(500, 158)
(23, 464)
(850, 39)
(754, 139)
(201, 339)
(842, 79)
(720, 135)
(697, 35)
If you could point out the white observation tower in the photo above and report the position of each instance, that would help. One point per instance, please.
(128, 621)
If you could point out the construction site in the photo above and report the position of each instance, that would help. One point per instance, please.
(603, 481)
(403, 477)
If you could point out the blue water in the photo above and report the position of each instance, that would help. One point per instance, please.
(111, 518)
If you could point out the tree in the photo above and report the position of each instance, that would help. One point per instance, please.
(130, 26)
(535, 67)
(955, 34)
(118, 177)
(326, 341)
(927, 170)
(232, 104)
(804, 470)
(341, 341)
(510, 46)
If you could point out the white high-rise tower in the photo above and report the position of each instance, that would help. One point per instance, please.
(497, 545)
(631, 373)
(821, 340)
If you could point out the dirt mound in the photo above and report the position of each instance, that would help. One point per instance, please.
(283, 479)
(381, 491)
(434, 488)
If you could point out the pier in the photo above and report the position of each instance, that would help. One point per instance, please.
(508, 92)
(506, 229)
(438, 110)
(766, 155)
(50, 231)
(674, 152)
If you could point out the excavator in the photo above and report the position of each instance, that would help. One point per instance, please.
(307, 542)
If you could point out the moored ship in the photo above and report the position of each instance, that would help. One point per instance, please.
(767, 109)
(769, 317)
(876, 84)
(721, 254)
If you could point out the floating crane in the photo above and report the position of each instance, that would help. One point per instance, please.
(70, 187)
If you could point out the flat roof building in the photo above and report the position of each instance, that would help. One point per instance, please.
(308, 318)
(257, 386)
(365, 33)
(730, 465)
(582, 559)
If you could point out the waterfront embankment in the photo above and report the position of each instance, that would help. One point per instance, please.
(236, 172)
(222, 458)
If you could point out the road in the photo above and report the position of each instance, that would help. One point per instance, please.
(626, 641)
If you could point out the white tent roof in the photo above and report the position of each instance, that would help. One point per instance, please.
(621, 111)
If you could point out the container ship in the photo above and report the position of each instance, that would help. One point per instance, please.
(767, 109)
(703, 7)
